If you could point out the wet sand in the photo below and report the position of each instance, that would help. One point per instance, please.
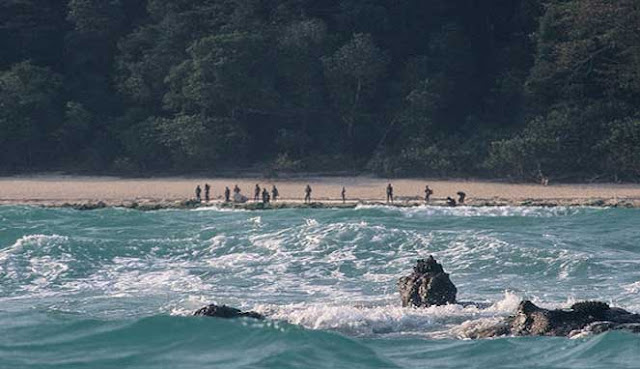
(55, 190)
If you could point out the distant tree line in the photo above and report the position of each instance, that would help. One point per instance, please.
(508, 88)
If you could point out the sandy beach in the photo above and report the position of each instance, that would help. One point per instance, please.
(56, 190)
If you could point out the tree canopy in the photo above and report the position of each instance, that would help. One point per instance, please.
(507, 88)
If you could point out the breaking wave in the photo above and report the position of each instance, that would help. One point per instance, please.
(125, 280)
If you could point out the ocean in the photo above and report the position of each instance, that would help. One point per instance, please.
(115, 288)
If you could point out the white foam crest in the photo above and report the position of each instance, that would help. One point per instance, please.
(256, 221)
(470, 328)
(28, 261)
(34, 240)
(508, 304)
(46, 270)
(235, 260)
(375, 320)
(218, 241)
(128, 276)
(476, 211)
(361, 206)
(476, 249)
(468, 248)
(341, 255)
(310, 222)
(448, 321)
(219, 209)
(187, 305)
(632, 288)
(331, 244)
(309, 236)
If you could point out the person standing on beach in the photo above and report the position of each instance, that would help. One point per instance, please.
(198, 192)
(275, 193)
(344, 195)
(389, 193)
(265, 196)
(427, 193)
(307, 194)
(461, 197)
(227, 194)
(256, 193)
(207, 190)
(236, 189)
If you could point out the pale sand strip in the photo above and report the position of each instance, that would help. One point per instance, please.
(54, 190)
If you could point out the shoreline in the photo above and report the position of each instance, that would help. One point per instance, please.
(83, 192)
(150, 205)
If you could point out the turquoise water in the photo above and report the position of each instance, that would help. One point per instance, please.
(114, 288)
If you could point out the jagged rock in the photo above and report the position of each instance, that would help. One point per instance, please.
(226, 312)
(428, 285)
(531, 320)
(583, 317)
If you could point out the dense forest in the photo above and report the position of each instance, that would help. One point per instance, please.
(504, 88)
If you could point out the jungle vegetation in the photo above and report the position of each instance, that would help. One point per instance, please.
(502, 89)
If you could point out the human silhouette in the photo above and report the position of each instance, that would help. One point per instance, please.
(275, 193)
(343, 194)
(265, 196)
(461, 197)
(227, 194)
(451, 202)
(256, 193)
(198, 192)
(307, 194)
(207, 190)
(427, 193)
(390, 193)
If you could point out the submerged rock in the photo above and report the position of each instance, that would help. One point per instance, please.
(428, 285)
(226, 312)
(582, 317)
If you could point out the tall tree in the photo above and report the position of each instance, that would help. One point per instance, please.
(354, 72)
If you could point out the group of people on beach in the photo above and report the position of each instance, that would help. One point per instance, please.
(427, 196)
(264, 196)
(259, 194)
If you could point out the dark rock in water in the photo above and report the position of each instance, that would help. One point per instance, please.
(88, 206)
(226, 312)
(531, 320)
(582, 317)
(601, 327)
(428, 285)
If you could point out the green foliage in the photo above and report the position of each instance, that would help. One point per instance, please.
(29, 114)
(32, 30)
(76, 129)
(223, 74)
(511, 88)
(621, 149)
(197, 142)
(353, 73)
(100, 17)
(284, 163)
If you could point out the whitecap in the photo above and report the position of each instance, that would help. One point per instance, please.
(34, 240)
(476, 211)
(433, 321)
(219, 209)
